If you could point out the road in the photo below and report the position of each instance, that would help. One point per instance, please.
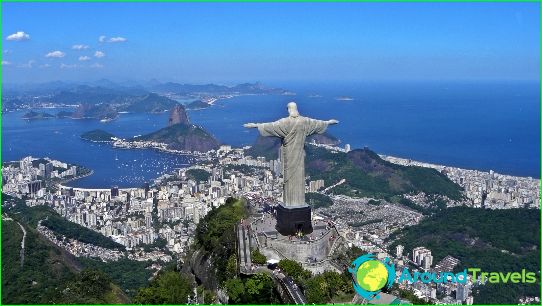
(22, 244)
(293, 290)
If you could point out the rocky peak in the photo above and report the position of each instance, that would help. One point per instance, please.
(178, 115)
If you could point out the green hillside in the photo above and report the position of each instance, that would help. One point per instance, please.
(129, 275)
(493, 240)
(48, 275)
(215, 234)
(59, 225)
(366, 174)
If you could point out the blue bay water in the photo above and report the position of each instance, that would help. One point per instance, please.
(60, 139)
(471, 125)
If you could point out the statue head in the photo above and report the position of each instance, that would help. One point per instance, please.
(292, 109)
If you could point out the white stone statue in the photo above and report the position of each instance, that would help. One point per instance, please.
(293, 130)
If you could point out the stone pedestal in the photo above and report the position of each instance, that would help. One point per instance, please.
(294, 219)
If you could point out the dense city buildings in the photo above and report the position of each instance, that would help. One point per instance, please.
(164, 213)
(487, 189)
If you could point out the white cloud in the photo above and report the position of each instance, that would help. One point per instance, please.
(57, 54)
(29, 64)
(99, 54)
(45, 66)
(18, 36)
(79, 47)
(96, 65)
(67, 66)
(6, 63)
(84, 58)
(117, 39)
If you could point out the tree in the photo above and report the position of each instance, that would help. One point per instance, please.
(231, 267)
(314, 292)
(169, 287)
(215, 233)
(337, 282)
(294, 270)
(323, 287)
(259, 288)
(258, 258)
(93, 282)
(236, 290)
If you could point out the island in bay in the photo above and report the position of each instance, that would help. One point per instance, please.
(178, 135)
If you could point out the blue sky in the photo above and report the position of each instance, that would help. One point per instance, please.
(228, 43)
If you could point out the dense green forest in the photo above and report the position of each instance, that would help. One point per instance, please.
(255, 289)
(129, 275)
(169, 287)
(493, 240)
(47, 274)
(215, 234)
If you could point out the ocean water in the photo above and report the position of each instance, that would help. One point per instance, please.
(470, 125)
(60, 139)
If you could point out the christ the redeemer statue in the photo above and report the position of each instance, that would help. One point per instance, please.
(294, 213)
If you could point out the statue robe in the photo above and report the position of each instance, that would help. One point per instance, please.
(293, 131)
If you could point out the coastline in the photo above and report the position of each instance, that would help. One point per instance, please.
(439, 167)
(161, 147)
(77, 177)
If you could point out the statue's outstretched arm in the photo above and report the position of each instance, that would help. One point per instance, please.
(250, 125)
(332, 121)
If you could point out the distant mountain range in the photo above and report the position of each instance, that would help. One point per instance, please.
(103, 99)
(187, 89)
